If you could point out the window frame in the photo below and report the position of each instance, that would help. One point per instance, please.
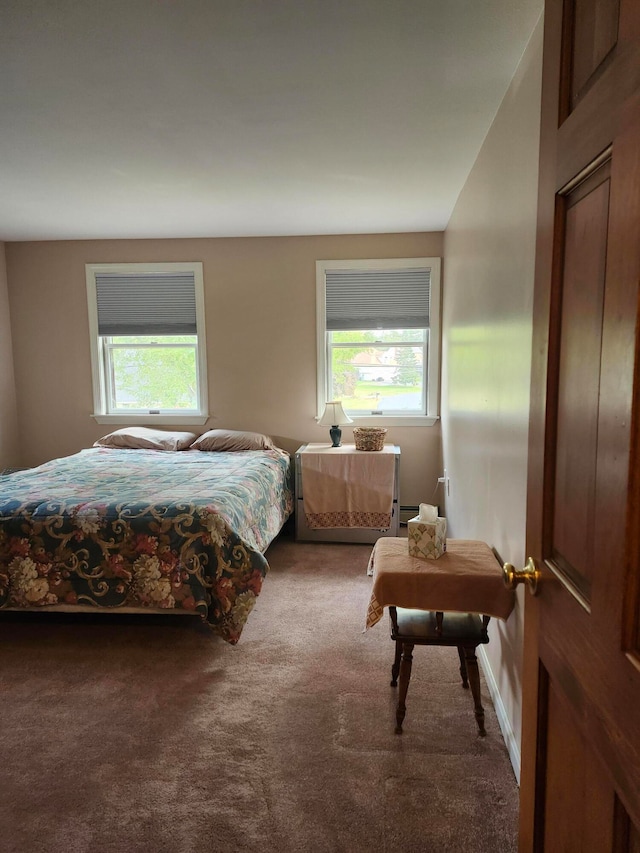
(432, 372)
(98, 374)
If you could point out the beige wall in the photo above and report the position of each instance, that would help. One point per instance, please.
(9, 448)
(261, 338)
(488, 291)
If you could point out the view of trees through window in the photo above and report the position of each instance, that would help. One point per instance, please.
(158, 372)
(378, 369)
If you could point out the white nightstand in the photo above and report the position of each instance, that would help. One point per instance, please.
(345, 534)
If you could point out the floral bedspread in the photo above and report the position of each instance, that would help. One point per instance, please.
(144, 528)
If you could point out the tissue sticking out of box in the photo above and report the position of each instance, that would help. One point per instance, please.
(427, 534)
(428, 513)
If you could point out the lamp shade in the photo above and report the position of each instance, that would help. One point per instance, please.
(334, 415)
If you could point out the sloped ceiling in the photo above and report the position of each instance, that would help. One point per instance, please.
(183, 118)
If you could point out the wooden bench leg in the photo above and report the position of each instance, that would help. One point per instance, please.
(463, 668)
(405, 677)
(474, 681)
(395, 669)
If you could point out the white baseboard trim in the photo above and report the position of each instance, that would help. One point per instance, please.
(513, 747)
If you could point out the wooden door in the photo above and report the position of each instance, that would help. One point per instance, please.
(580, 787)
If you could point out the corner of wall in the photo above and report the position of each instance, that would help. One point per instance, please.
(9, 445)
(487, 327)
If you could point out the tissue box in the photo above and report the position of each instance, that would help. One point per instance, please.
(427, 539)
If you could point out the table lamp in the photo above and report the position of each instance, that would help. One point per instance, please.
(334, 415)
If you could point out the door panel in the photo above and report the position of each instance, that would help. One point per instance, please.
(578, 811)
(594, 33)
(627, 839)
(580, 786)
(586, 213)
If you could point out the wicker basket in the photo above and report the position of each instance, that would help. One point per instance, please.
(369, 438)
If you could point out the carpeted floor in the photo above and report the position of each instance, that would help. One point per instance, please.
(151, 734)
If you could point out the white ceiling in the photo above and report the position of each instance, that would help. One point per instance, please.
(201, 118)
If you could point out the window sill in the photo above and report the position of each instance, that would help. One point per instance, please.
(150, 420)
(394, 420)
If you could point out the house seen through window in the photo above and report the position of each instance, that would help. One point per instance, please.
(378, 337)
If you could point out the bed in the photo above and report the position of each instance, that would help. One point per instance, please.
(144, 530)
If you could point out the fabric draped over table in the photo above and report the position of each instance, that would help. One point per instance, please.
(346, 489)
(466, 578)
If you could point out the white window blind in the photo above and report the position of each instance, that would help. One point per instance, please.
(377, 298)
(146, 303)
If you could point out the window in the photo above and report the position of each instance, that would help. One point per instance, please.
(379, 338)
(148, 349)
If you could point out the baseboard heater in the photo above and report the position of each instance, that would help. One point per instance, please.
(407, 512)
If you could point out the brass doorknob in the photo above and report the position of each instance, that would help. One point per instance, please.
(529, 575)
